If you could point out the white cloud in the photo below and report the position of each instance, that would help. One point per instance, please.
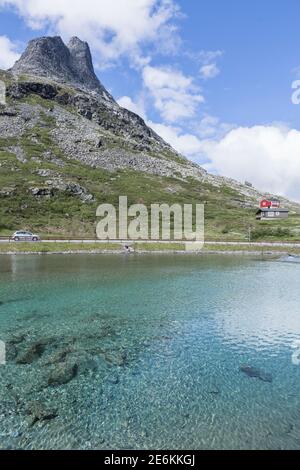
(8, 53)
(205, 57)
(209, 71)
(175, 95)
(207, 127)
(113, 28)
(186, 144)
(136, 107)
(192, 145)
(210, 127)
(268, 156)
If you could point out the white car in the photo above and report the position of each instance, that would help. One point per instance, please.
(22, 236)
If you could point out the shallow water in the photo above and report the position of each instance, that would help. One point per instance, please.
(157, 343)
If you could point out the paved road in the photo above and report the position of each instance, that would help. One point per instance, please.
(66, 240)
(257, 244)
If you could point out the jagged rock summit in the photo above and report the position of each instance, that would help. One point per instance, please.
(49, 57)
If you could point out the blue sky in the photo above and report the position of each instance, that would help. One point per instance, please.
(212, 77)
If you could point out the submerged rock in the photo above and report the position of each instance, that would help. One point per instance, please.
(116, 358)
(16, 339)
(62, 374)
(11, 352)
(33, 352)
(11, 346)
(113, 379)
(85, 364)
(253, 372)
(58, 356)
(39, 412)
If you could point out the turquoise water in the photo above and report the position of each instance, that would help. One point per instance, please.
(148, 351)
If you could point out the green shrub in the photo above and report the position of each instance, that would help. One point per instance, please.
(278, 232)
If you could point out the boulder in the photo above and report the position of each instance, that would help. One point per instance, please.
(8, 191)
(39, 412)
(33, 352)
(62, 374)
(11, 346)
(42, 192)
(58, 356)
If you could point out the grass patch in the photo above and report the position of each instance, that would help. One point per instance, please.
(159, 246)
(61, 247)
(271, 233)
(7, 142)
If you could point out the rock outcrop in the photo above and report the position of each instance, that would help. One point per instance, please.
(49, 57)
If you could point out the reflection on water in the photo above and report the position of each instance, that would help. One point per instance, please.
(290, 259)
(118, 352)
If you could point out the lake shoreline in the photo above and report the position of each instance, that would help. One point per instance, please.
(152, 252)
(210, 248)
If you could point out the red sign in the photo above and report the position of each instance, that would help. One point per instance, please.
(267, 204)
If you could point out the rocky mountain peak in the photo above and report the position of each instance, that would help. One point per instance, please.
(82, 64)
(49, 57)
(81, 55)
